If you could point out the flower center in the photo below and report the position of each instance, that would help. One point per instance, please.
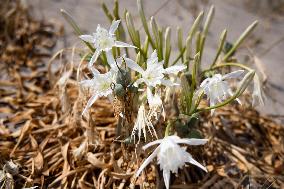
(105, 86)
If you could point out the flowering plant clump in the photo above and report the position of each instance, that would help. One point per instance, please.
(152, 92)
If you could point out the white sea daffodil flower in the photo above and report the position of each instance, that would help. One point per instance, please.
(171, 156)
(143, 124)
(175, 69)
(104, 40)
(154, 73)
(155, 104)
(99, 86)
(217, 89)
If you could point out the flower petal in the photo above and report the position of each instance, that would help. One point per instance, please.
(152, 144)
(175, 69)
(122, 44)
(138, 81)
(95, 71)
(94, 59)
(87, 38)
(153, 60)
(87, 83)
(110, 59)
(147, 161)
(168, 83)
(167, 175)
(194, 162)
(133, 65)
(233, 75)
(90, 103)
(149, 95)
(191, 141)
(114, 27)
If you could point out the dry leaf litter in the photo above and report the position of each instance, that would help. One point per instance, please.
(45, 142)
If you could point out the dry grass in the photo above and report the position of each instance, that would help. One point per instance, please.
(42, 131)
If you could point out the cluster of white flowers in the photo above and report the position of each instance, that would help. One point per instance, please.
(100, 84)
(152, 79)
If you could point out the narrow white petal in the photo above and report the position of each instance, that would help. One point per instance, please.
(110, 59)
(192, 141)
(194, 162)
(114, 27)
(205, 82)
(147, 161)
(122, 44)
(167, 175)
(234, 74)
(90, 103)
(95, 71)
(168, 83)
(149, 95)
(138, 81)
(153, 55)
(94, 59)
(153, 60)
(120, 59)
(152, 143)
(133, 65)
(87, 83)
(175, 69)
(87, 38)
(238, 100)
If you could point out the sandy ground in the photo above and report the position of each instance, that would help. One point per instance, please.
(235, 16)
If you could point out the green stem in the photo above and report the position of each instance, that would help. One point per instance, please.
(144, 22)
(232, 64)
(73, 24)
(240, 40)
(220, 47)
(180, 55)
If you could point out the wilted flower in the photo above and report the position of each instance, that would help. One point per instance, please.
(154, 73)
(99, 86)
(257, 94)
(171, 156)
(142, 123)
(104, 40)
(155, 104)
(217, 89)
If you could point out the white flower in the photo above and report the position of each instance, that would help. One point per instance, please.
(155, 104)
(175, 69)
(142, 123)
(154, 73)
(217, 89)
(170, 91)
(99, 86)
(171, 156)
(257, 95)
(104, 40)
